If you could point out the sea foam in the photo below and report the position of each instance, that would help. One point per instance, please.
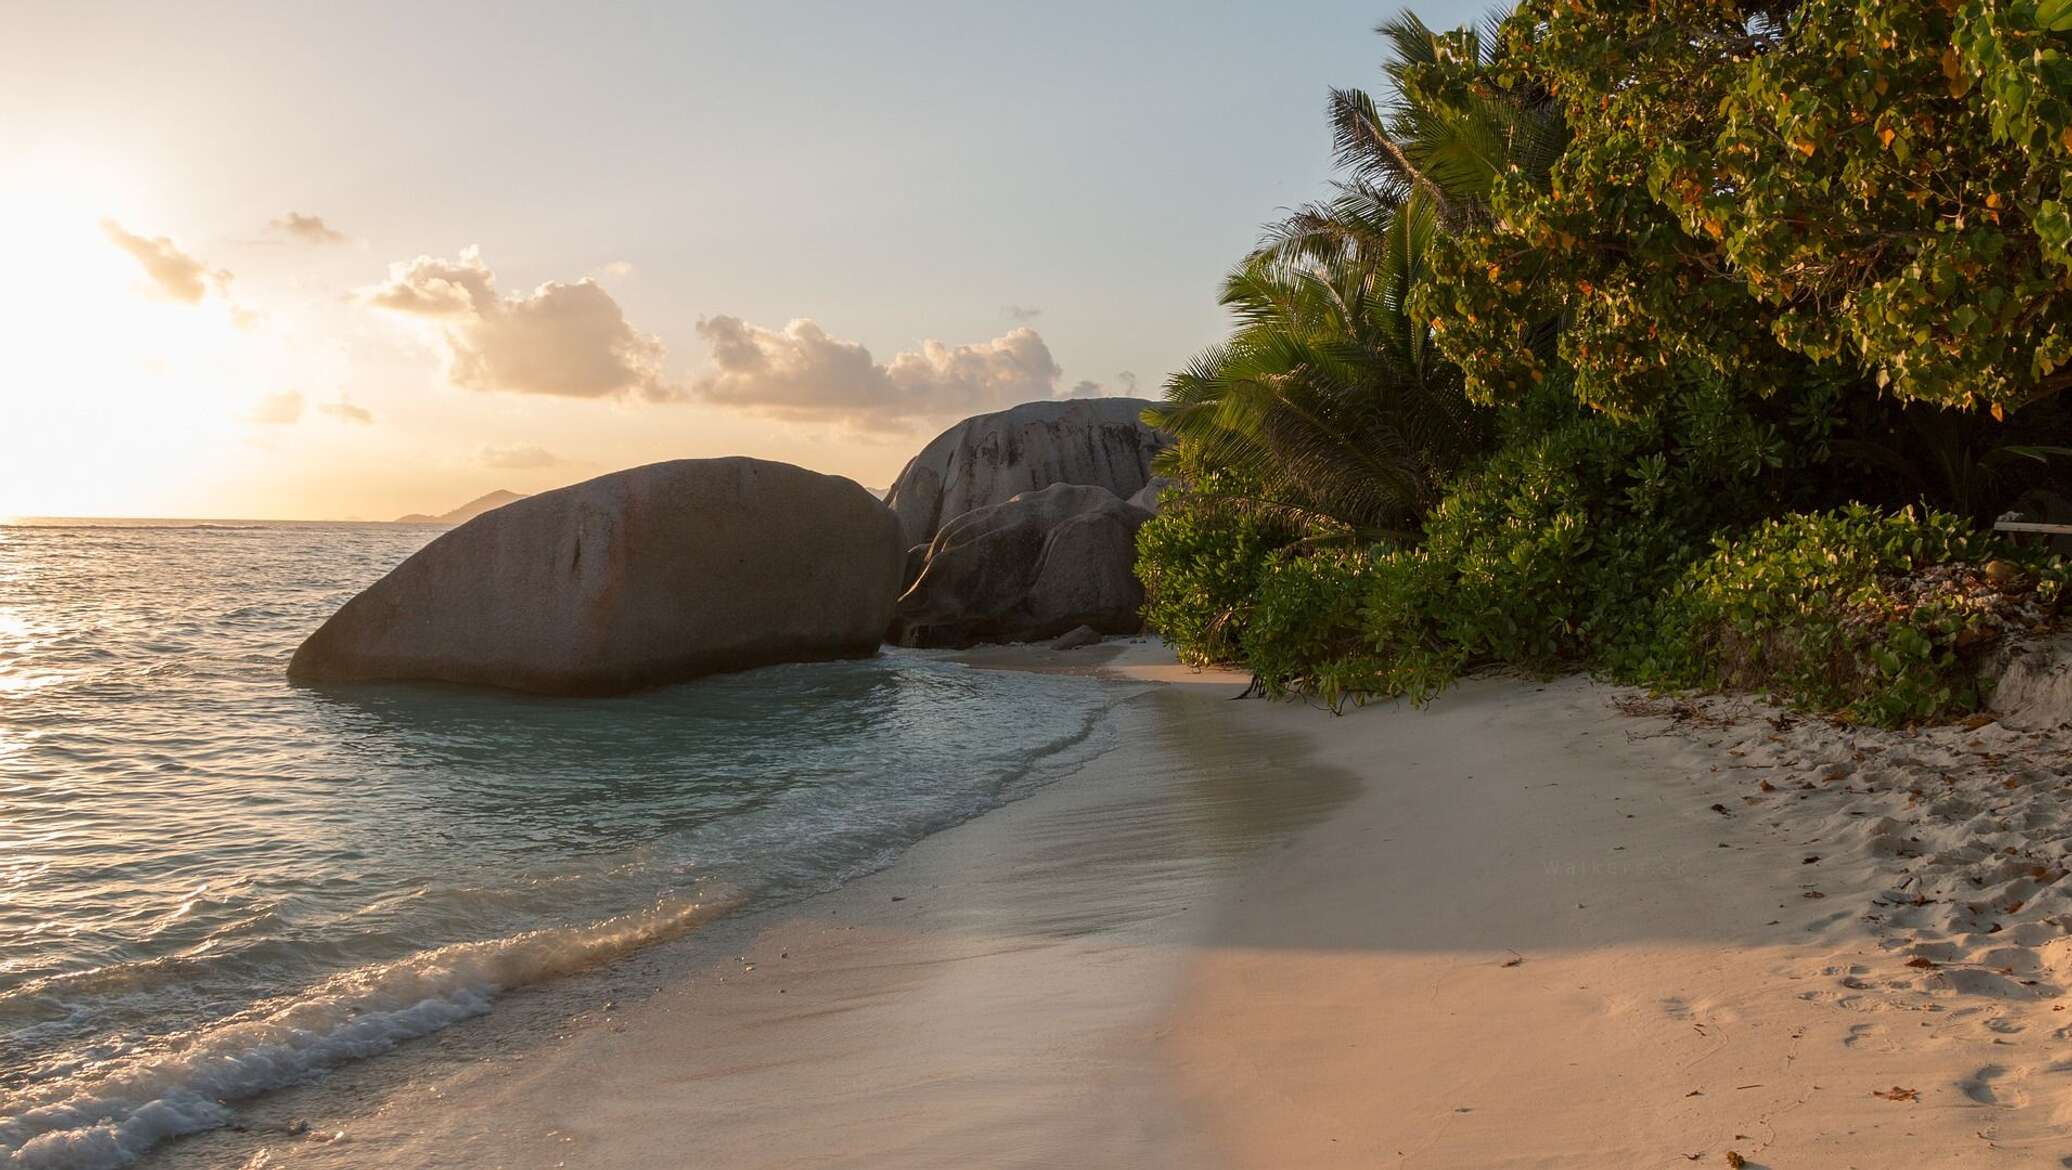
(111, 1116)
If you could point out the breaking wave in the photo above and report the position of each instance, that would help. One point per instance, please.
(109, 1117)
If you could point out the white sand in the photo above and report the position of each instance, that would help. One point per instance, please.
(1508, 931)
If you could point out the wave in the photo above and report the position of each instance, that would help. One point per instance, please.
(111, 1118)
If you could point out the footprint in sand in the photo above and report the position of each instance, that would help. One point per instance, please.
(1992, 1085)
(1862, 1034)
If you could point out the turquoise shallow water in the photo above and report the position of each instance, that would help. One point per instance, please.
(212, 883)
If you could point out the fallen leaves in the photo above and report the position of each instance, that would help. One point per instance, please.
(1736, 1160)
(1895, 1093)
(1924, 964)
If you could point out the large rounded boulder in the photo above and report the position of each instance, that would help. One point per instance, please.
(639, 578)
(1032, 567)
(990, 458)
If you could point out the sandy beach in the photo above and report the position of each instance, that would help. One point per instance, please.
(1538, 924)
(627, 602)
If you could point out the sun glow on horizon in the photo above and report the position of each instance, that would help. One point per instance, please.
(112, 389)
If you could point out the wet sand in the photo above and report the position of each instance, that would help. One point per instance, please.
(1522, 928)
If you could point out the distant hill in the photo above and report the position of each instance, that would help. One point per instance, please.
(465, 512)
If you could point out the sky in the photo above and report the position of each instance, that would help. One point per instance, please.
(296, 261)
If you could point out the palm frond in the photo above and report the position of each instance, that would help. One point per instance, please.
(1328, 395)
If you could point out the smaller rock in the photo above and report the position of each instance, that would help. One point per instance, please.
(1027, 570)
(1076, 637)
(1148, 496)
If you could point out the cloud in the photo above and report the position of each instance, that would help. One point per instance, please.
(174, 274)
(518, 458)
(1020, 312)
(282, 409)
(567, 340)
(619, 268)
(346, 411)
(309, 229)
(801, 372)
(1126, 387)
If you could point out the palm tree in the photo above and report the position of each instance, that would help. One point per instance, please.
(1328, 399)
(1435, 150)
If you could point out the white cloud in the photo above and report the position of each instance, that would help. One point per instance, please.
(518, 458)
(174, 274)
(282, 409)
(309, 229)
(567, 340)
(801, 372)
(346, 411)
(1125, 387)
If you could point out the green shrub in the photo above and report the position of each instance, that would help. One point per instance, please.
(1200, 564)
(1873, 616)
(1305, 633)
(1550, 554)
(1544, 549)
(1553, 554)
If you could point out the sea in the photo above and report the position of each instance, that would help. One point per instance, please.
(214, 883)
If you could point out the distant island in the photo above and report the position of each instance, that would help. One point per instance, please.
(465, 512)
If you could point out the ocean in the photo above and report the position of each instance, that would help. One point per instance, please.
(213, 883)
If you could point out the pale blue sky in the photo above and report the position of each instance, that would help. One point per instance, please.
(894, 171)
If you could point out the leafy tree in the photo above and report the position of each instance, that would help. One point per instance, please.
(1755, 186)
